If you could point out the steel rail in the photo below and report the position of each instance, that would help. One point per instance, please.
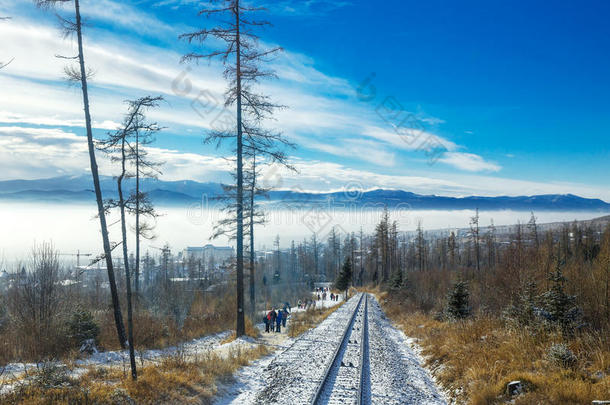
(335, 358)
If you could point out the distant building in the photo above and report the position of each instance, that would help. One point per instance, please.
(208, 253)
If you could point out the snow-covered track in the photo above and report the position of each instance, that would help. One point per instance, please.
(356, 356)
(295, 375)
(341, 380)
(396, 375)
(364, 367)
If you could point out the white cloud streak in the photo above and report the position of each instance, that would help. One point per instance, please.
(468, 162)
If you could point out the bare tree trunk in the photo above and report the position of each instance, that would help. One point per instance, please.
(252, 270)
(132, 357)
(361, 274)
(118, 318)
(137, 269)
(240, 328)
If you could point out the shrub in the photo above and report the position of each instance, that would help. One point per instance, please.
(82, 327)
(560, 307)
(458, 306)
(51, 374)
(522, 311)
(560, 355)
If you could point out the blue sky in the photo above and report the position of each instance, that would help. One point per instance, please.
(509, 98)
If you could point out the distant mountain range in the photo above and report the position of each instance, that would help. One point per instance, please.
(79, 189)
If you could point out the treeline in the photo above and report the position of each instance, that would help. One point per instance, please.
(498, 270)
(48, 312)
(570, 264)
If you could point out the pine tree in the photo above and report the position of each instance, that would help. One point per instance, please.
(396, 279)
(458, 306)
(522, 311)
(345, 276)
(560, 306)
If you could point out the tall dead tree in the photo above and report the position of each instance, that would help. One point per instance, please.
(122, 147)
(80, 74)
(144, 134)
(242, 58)
(532, 226)
(253, 213)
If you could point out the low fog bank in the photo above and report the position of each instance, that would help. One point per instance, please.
(75, 227)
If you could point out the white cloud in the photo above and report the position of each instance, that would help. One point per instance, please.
(322, 114)
(31, 153)
(469, 162)
(14, 118)
(284, 7)
(409, 138)
(357, 149)
(124, 15)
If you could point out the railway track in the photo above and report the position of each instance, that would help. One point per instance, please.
(346, 379)
(342, 361)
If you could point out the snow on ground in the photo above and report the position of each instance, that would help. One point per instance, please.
(190, 348)
(15, 373)
(250, 380)
(293, 374)
(116, 358)
(397, 376)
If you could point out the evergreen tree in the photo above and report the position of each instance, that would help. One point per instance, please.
(458, 306)
(345, 276)
(522, 310)
(396, 279)
(560, 307)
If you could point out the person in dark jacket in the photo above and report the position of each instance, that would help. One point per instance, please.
(278, 321)
(266, 320)
(284, 317)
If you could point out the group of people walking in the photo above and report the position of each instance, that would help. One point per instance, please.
(274, 320)
(333, 297)
(322, 293)
(306, 304)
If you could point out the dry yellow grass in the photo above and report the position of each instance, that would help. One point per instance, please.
(476, 358)
(156, 331)
(174, 380)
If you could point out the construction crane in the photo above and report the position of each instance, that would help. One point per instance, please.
(78, 254)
